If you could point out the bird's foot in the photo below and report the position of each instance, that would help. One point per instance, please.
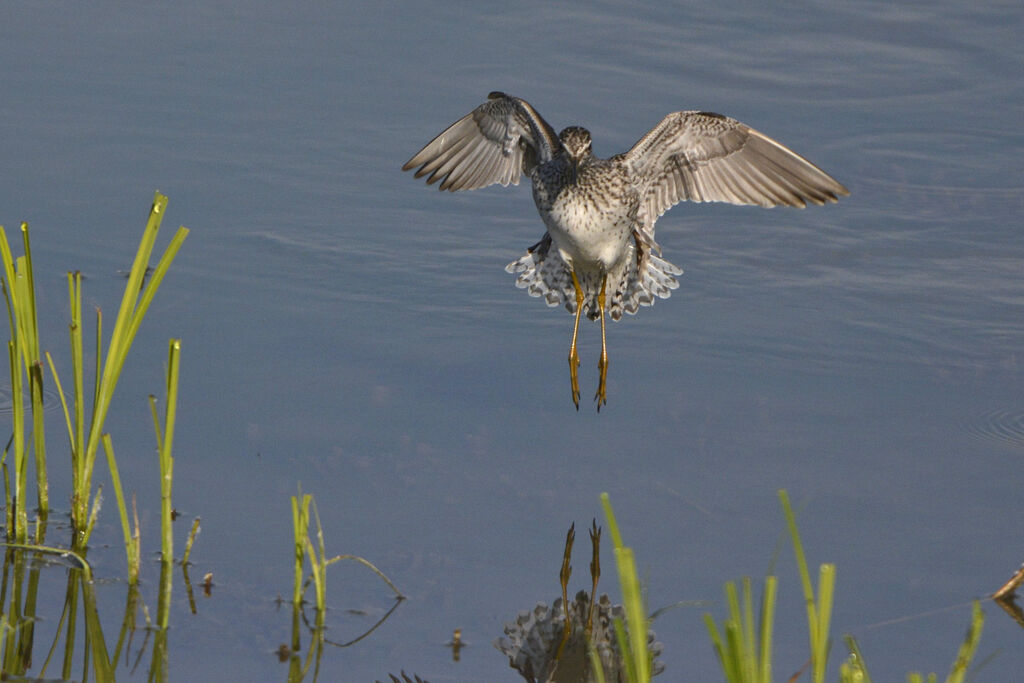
(574, 364)
(601, 396)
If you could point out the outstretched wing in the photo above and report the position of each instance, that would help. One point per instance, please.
(495, 143)
(706, 157)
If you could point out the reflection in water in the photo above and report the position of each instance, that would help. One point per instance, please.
(315, 630)
(535, 647)
(834, 352)
(600, 213)
(25, 574)
(405, 679)
(456, 644)
(306, 550)
(551, 645)
(1006, 597)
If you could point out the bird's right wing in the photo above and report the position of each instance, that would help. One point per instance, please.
(705, 157)
(495, 143)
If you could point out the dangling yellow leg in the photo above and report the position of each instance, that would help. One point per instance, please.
(574, 358)
(602, 362)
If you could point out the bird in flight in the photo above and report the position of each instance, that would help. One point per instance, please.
(598, 254)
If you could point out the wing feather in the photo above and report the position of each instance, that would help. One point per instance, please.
(706, 157)
(495, 143)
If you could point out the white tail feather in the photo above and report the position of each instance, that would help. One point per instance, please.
(543, 273)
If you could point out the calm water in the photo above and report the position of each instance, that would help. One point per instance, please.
(350, 330)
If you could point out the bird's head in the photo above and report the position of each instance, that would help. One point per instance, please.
(576, 143)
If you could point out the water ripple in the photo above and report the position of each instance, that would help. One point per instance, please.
(51, 400)
(1002, 426)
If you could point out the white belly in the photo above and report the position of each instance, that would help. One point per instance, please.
(588, 236)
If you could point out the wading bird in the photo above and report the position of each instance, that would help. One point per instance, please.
(599, 253)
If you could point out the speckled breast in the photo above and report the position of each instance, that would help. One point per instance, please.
(590, 217)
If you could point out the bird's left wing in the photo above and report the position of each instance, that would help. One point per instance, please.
(495, 143)
(706, 157)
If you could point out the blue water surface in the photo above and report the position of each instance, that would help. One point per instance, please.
(347, 329)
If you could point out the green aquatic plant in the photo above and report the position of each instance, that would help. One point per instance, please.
(745, 651)
(819, 608)
(632, 635)
(853, 669)
(964, 656)
(18, 606)
(132, 535)
(26, 367)
(305, 551)
(85, 436)
(744, 643)
(164, 444)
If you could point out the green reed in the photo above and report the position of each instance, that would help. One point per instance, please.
(305, 551)
(84, 435)
(744, 643)
(819, 611)
(84, 424)
(165, 442)
(139, 291)
(632, 636)
(745, 650)
(26, 367)
(745, 653)
(132, 537)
